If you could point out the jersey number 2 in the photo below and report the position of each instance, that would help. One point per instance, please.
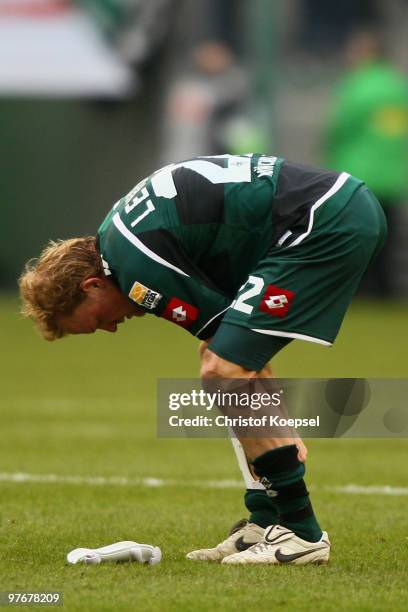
(240, 303)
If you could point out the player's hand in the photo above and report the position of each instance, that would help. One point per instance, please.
(302, 451)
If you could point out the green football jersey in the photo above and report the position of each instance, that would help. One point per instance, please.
(185, 239)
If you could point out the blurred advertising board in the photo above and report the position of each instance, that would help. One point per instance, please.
(52, 48)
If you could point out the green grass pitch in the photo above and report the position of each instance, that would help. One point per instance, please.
(85, 406)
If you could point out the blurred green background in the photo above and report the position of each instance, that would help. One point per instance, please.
(208, 77)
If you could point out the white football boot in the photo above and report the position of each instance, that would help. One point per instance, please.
(242, 536)
(281, 546)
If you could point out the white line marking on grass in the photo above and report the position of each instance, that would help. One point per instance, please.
(369, 490)
(22, 477)
(123, 481)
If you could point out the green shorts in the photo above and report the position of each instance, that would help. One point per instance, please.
(302, 290)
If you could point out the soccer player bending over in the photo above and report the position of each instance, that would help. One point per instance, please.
(247, 253)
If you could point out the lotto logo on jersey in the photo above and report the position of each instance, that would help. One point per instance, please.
(144, 296)
(276, 301)
(106, 269)
(180, 312)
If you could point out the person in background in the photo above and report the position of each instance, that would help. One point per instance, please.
(201, 101)
(368, 136)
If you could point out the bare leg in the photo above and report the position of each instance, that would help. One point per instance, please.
(279, 461)
(213, 366)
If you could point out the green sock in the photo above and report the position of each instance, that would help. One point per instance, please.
(282, 472)
(263, 511)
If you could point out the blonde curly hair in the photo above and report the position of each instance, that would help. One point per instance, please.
(50, 286)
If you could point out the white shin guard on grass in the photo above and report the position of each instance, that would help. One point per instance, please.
(120, 551)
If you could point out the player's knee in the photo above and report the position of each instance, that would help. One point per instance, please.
(213, 366)
(208, 364)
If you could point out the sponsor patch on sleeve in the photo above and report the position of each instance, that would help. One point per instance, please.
(143, 296)
(276, 301)
(180, 312)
